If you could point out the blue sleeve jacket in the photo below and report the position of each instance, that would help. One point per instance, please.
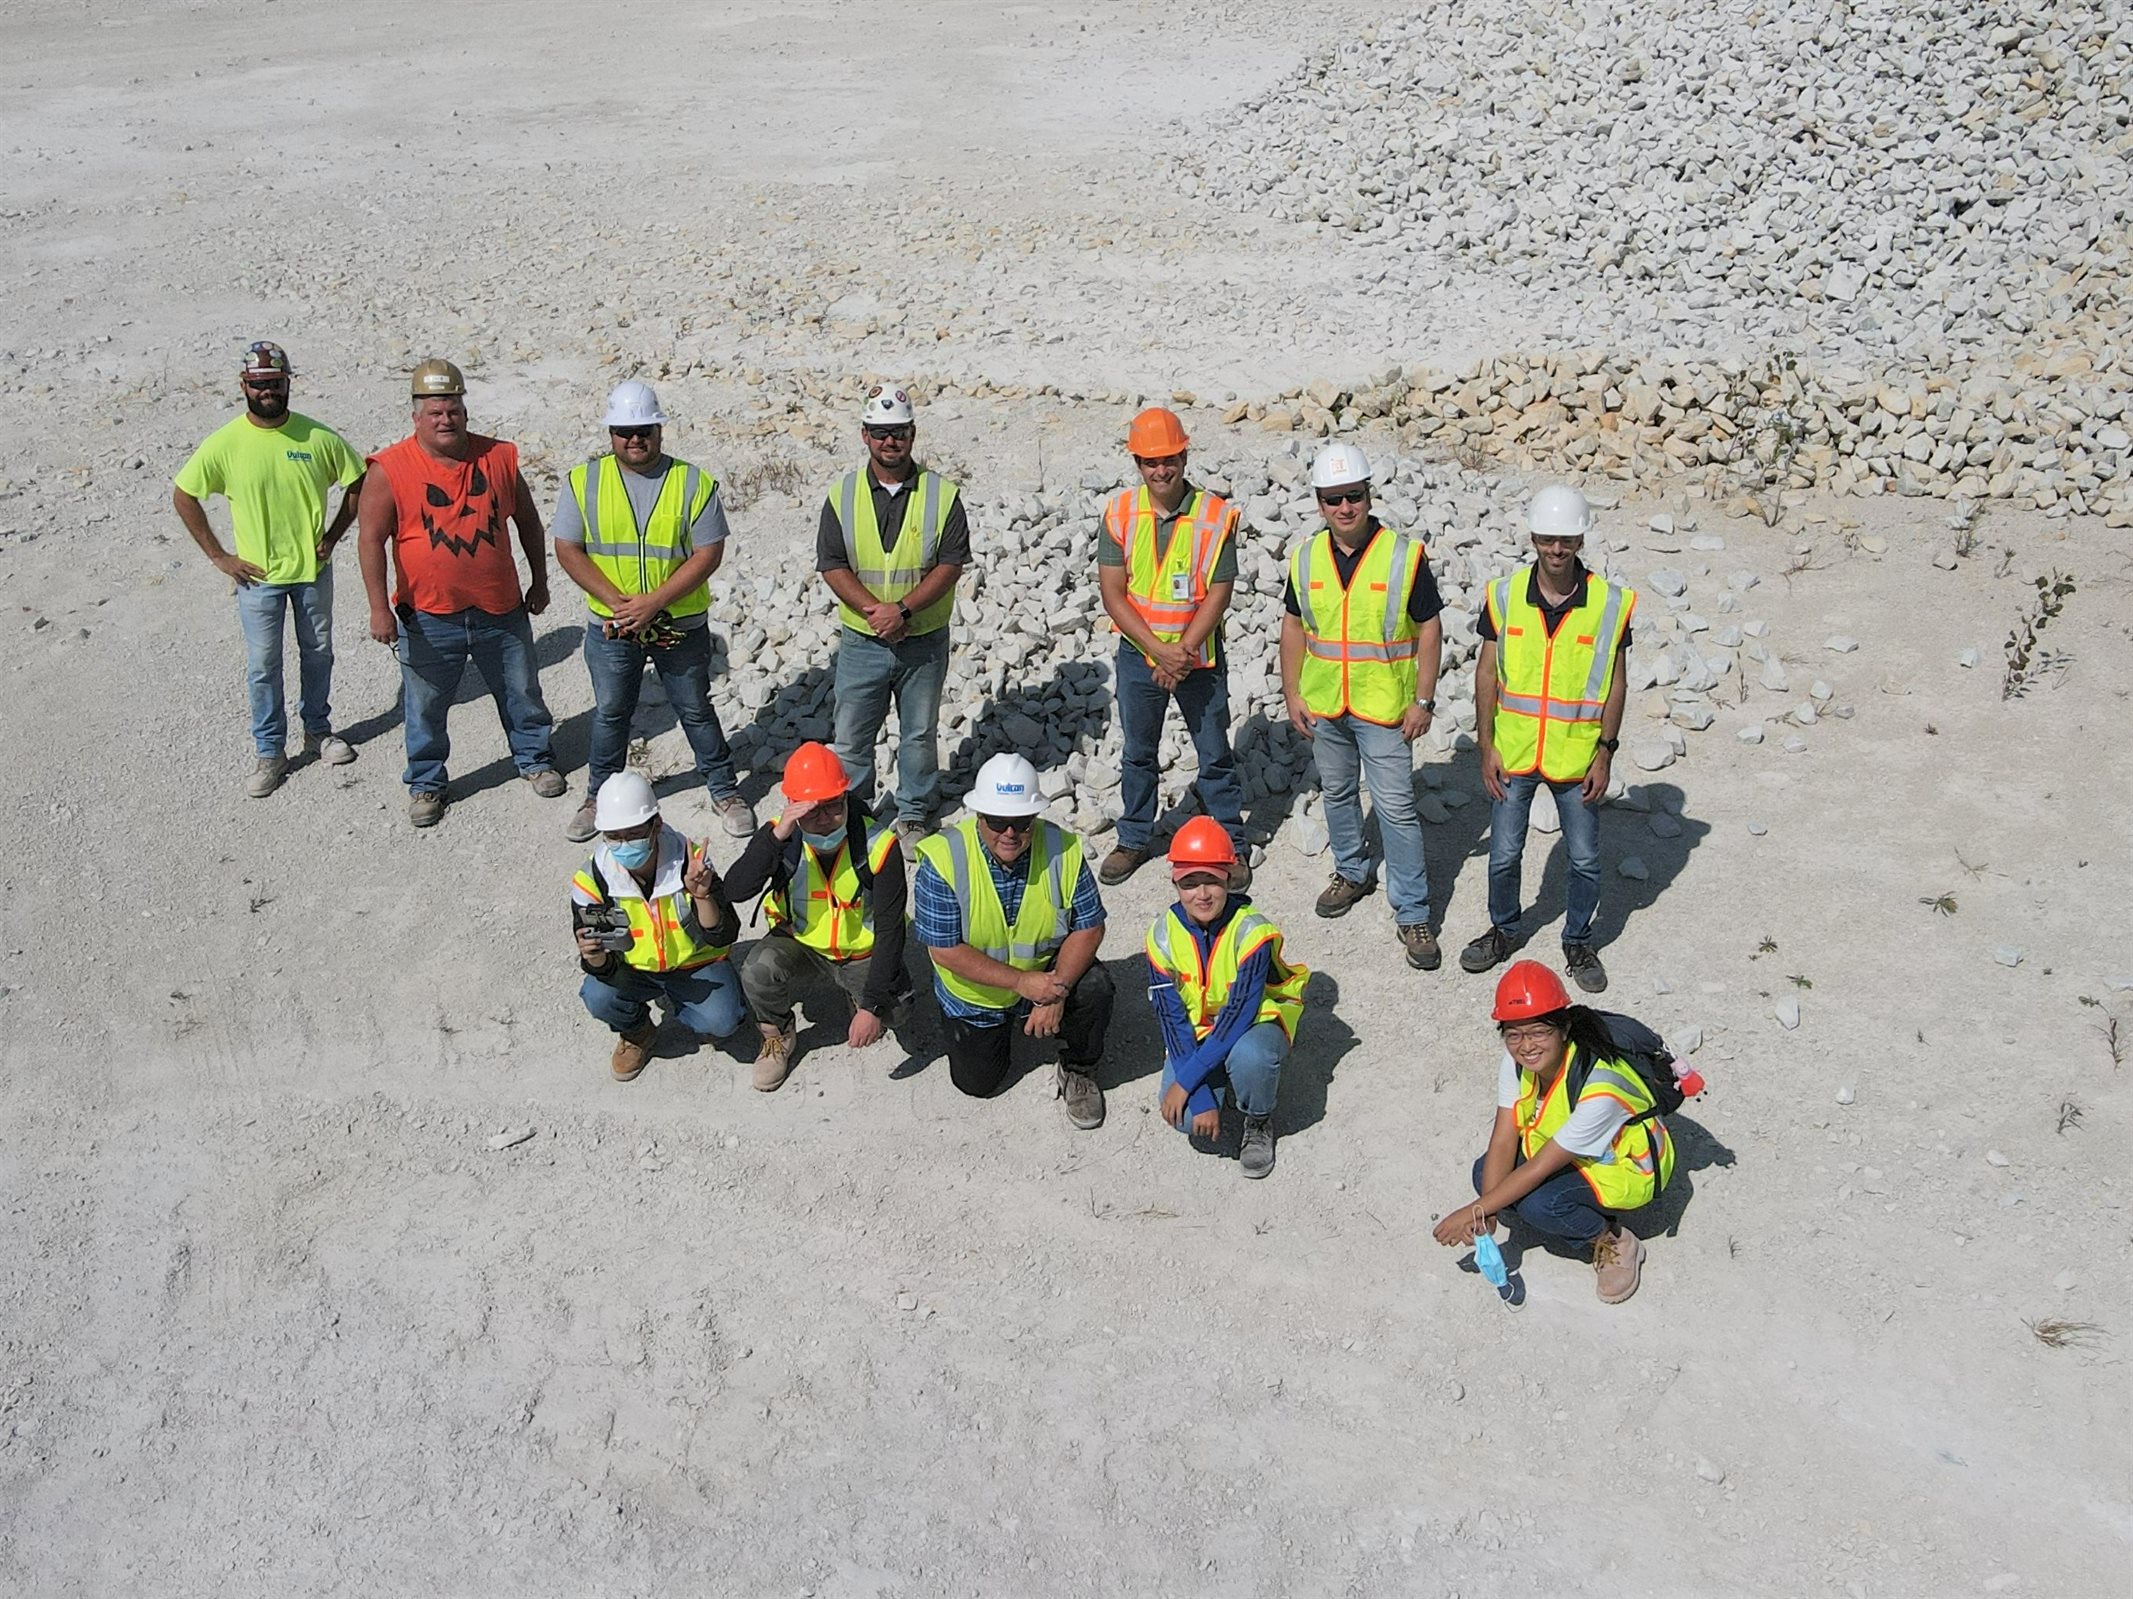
(1193, 1061)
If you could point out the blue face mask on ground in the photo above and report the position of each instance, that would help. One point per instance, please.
(631, 854)
(823, 843)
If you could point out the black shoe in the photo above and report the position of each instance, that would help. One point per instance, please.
(1256, 1157)
(1584, 968)
(1492, 948)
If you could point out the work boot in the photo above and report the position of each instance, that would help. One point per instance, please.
(1339, 896)
(1240, 876)
(1584, 967)
(1492, 948)
(425, 807)
(1617, 1261)
(266, 776)
(632, 1050)
(581, 826)
(1256, 1157)
(1422, 951)
(737, 816)
(773, 1061)
(912, 832)
(1123, 861)
(1084, 1097)
(547, 782)
(331, 748)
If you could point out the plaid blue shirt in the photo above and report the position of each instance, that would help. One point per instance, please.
(938, 920)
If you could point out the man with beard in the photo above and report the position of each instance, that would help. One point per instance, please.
(440, 498)
(274, 466)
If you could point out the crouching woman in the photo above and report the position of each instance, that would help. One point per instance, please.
(1578, 1144)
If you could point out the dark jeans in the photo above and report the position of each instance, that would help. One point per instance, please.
(684, 667)
(434, 651)
(978, 1053)
(1203, 700)
(1562, 1207)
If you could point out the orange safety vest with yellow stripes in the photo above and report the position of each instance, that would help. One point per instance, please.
(1166, 586)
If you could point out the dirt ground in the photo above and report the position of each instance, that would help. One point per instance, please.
(276, 1319)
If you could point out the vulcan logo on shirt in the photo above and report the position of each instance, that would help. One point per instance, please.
(464, 528)
(297, 455)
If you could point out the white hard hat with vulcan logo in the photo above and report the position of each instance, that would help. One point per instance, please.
(1006, 786)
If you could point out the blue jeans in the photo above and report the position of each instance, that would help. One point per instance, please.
(1507, 848)
(1348, 749)
(705, 999)
(1253, 1070)
(1562, 1207)
(1203, 700)
(914, 669)
(684, 668)
(434, 651)
(259, 613)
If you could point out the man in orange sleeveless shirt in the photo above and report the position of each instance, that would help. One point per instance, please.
(440, 498)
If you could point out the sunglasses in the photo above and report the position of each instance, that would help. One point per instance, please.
(1343, 497)
(633, 433)
(1559, 540)
(266, 384)
(1008, 824)
(883, 435)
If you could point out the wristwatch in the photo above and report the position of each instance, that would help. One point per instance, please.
(1610, 744)
(903, 610)
(1429, 704)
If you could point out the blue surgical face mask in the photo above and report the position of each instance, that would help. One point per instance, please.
(632, 853)
(823, 843)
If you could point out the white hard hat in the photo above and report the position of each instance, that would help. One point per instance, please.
(633, 405)
(1338, 465)
(887, 407)
(1559, 512)
(1006, 786)
(625, 800)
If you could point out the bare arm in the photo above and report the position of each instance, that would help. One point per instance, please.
(1292, 654)
(973, 965)
(533, 543)
(194, 515)
(1492, 773)
(376, 517)
(1603, 759)
(1207, 617)
(341, 518)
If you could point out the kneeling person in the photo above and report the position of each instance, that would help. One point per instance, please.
(1007, 908)
(653, 922)
(832, 881)
(1227, 1001)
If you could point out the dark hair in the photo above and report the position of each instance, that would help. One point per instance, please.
(1582, 1027)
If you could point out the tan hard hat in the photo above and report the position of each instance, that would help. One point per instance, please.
(436, 376)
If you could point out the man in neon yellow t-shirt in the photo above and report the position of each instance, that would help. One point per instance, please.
(274, 466)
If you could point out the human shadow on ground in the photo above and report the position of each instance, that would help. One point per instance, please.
(1454, 811)
(1323, 1040)
(1648, 824)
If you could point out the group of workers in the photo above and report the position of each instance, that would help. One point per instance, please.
(1004, 902)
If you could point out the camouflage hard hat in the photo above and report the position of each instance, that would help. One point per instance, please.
(435, 377)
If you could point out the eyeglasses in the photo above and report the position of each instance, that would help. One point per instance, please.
(626, 835)
(1537, 1033)
(1343, 496)
(883, 435)
(1007, 824)
(633, 433)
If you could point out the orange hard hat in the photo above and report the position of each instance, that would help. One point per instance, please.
(813, 774)
(1200, 845)
(1529, 990)
(1156, 432)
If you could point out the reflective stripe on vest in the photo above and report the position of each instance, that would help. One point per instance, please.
(890, 573)
(1640, 1161)
(664, 933)
(1040, 925)
(1359, 642)
(835, 920)
(1204, 989)
(1167, 586)
(638, 561)
(1552, 688)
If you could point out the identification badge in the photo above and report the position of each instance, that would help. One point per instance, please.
(1181, 585)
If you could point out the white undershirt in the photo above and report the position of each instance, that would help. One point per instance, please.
(1593, 1123)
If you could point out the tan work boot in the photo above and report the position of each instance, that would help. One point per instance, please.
(1617, 1260)
(633, 1050)
(1083, 1095)
(773, 1061)
(1123, 861)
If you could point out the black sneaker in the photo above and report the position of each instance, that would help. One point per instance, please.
(1256, 1157)
(1584, 968)
(1492, 948)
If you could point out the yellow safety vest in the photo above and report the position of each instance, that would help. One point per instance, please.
(638, 560)
(1552, 687)
(835, 920)
(1040, 926)
(664, 933)
(1167, 586)
(1636, 1166)
(1359, 641)
(890, 574)
(1204, 988)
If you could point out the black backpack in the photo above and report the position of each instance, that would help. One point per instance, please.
(1645, 1053)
